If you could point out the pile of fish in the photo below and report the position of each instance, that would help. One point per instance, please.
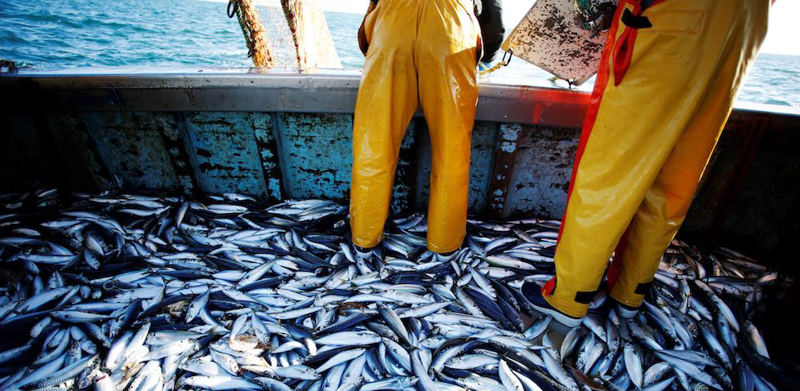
(136, 292)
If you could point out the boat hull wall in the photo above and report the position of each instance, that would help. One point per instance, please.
(282, 136)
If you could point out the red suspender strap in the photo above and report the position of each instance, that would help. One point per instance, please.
(623, 48)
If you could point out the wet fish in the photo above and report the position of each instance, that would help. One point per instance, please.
(147, 291)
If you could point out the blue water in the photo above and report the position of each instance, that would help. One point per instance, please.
(69, 33)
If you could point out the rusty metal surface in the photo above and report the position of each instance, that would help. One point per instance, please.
(172, 129)
(551, 37)
(506, 147)
(129, 147)
(316, 154)
(223, 151)
(267, 146)
(543, 166)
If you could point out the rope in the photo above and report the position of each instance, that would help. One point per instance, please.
(503, 63)
(253, 31)
(491, 69)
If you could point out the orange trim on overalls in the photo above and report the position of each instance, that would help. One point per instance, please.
(588, 124)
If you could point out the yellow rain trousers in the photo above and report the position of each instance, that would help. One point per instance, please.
(420, 52)
(664, 90)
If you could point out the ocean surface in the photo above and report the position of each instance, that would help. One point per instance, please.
(197, 33)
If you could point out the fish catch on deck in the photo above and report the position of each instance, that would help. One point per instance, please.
(151, 292)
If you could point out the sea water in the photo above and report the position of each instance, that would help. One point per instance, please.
(167, 33)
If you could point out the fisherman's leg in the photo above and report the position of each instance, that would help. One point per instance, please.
(667, 201)
(387, 99)
(447, 59)
(651, 82)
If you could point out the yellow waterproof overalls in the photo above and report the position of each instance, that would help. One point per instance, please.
(420, 52)
(665, 87)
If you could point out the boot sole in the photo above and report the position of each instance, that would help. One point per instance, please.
(566, 320)
(626, 313)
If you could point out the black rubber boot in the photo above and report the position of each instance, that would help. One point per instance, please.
(533, 294)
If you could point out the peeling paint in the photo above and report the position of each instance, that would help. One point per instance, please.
(543, 166)
(131, 149)
(309, 155)
(267, 145)
(317, 154)
(507, 137)
(224, 153)
(510, 134)
(238, 152)
(172, 130)
(508, 147)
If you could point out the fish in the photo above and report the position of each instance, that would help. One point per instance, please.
(394, 322)
(221, 383)
(538, 327)
(349, 338)
(507, 377)
(633, 364)
(557, 371)
(755, 339)
(128, 290)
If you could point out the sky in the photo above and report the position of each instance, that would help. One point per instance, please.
(782, 38)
